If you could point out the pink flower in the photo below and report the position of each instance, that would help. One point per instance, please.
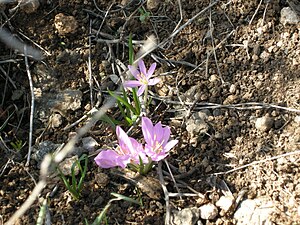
(128, 151)
(157, 139)
(142, 77)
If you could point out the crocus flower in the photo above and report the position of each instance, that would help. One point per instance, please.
(157, 139)
(142, 77)
(128, 151)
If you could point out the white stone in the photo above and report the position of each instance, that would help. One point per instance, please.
(89, 143)
(264, 123)
(213, 78)
(232, 89)
(225, 202)
(196, 125)
(208, 211)
(288, 16)
(254, 211)
(187, 216)
(265, 55)
(66, 165)
(297, 119)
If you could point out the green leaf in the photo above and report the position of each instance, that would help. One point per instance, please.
(141, 166)
(73, 186)
(122, 110)
(67, 184)
(136, 101)
(111, 121)
(125, 198)
(74, 182)
(83, 173)
(144, 15)
(102, 215)
(86, 221)
(148, 166)
(129, 121)
(123, 101)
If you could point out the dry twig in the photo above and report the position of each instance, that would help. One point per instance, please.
(211, 28)
(31, 107)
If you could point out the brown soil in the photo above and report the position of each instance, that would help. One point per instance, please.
(255, 65)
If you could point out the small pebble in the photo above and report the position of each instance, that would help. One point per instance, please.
(65, 24)
(297, 119)
(264, 123)
(187, 216)
(98, 201)
(89, 143)
(101, 179)
(196, 125)
(153, 4)
(225, 202)
(232, 89)
(66, 165)
(208, 211)
(56, 120)
(213, 78)
(288, 16)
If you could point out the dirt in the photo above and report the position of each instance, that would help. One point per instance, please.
(247, 69)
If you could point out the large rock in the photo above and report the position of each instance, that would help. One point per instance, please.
(254, 211)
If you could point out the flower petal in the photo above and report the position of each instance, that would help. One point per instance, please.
(134, 72)
(139, 152)
(147, 129)
(141, 90)
(123, 160)
(110, 158)
(142, 67)
(132, 83)
(165, 135)
(158, 133)
(159, 157)
(153, 81)
(138, 146)
(124, 141)
(170, 145)
(151, 71)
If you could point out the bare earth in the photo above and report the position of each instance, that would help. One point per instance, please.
(230, 91)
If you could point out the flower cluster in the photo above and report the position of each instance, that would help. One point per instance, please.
(130, 151)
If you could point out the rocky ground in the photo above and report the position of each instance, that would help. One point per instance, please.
(230, 92)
